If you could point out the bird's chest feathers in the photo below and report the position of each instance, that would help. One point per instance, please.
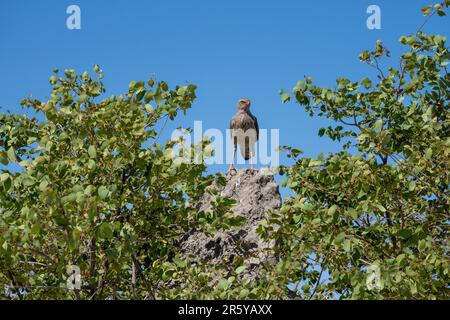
(244, 131)
(243, 121)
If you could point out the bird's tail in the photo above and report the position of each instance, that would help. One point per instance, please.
(246, 150)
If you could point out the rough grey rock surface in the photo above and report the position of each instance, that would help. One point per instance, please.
(256, 194)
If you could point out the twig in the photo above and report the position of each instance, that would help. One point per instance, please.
(143, 278)
(318, 280)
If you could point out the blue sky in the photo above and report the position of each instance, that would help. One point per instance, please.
(229, 49)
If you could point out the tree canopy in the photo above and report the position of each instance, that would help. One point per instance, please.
(87, 183)
(383, 201)
(96, 190)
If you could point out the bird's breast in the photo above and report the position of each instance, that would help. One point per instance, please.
(242, 120)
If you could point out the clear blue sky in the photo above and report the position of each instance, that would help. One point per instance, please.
(227, 48)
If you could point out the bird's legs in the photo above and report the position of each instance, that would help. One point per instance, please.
(231, 169)
(251, 163)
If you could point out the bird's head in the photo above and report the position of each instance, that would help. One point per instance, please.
(244, 104)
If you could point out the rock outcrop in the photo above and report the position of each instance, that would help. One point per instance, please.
(256, 194)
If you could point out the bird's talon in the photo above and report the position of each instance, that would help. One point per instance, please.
(251, 171)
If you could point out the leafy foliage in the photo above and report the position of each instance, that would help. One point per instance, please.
(89, 185)
(94, 189)
(387, 205)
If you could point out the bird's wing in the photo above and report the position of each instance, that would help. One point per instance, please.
(233, 125)
(256, 126)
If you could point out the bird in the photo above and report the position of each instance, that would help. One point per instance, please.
(244, 131)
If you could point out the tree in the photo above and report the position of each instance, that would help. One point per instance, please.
(94, 189)
(383, 209)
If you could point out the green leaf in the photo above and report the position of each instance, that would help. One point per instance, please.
(285, 97)
(164, 86)
(405, 233)
(378, 124)
(3, 158)
(366, 83)
(422, 245)
(105, 231)
(103, 192)
(332, 210)
(223, 284)
(36, 229)
(167, 275)
(244, 293)
(240, 269)
(315, 163)
(69, 198)
(11, 154)
(413, 287)
(361, 194)
(182, 90)
(92, 151)
(83, 97)
(149, 108)
(80, 198)
(28, 181)
(347, 245)
(43, 185)
(5, 179)
(339, 238)
(180, 263)
(92, 165)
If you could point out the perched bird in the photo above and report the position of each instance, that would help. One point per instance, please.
(244, 132)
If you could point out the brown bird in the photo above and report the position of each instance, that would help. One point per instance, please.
(244, 131)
